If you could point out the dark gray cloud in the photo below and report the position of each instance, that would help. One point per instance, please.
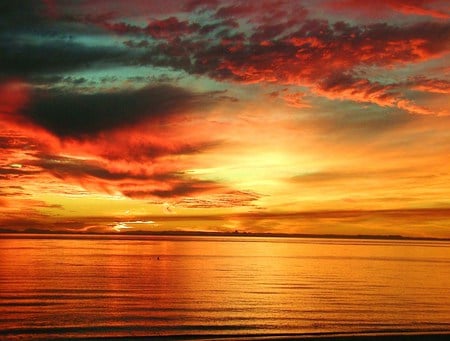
(63, 167)
(19, 13)
(35, 42)
(5, 172)
(32, 58)
(179, 187)
(142, 151)
(134, 184)
(75, 115)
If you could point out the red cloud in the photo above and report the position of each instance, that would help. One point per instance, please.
(14, 96)
(317, 49)
(434, 8)
(169, 28)
(418, 7)
(323, 57)
(200, 4)
(234, 11)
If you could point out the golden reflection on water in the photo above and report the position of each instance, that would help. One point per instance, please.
(194, 285)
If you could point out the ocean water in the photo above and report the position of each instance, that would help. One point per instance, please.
(68, 286)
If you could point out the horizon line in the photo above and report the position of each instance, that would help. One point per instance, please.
(235, 233)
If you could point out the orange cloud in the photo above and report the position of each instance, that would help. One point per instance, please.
(439, 86)
(345, 87)
(99, 144)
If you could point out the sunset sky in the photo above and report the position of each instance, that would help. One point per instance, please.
(313, 116)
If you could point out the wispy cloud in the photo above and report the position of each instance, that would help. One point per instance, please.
(432, 8)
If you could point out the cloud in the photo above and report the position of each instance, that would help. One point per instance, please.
(7, 172)
(318, 49)
(11, 141)
(14, 148)
(280, 44)
(271, 13)
(194, 5)
(176, 187)
(419, 7)
(433, 8)
(417, 109)
(34, 42)
(231, 199)
(353, 176)
(22, 58)
(346, 87)
(100, 175)
(141, 149)
(324, 214)
(238, 10)
(66, 167)
(421, 83)
(108, 142)
(313, 53)
(295, 100)
(78, 115)
(14, 95)
(170, 28)
(20, 12)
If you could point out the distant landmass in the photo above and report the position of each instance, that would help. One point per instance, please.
(224, 234)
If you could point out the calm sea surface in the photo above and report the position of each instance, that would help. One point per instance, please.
(117, 286)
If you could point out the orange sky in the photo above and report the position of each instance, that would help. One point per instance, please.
(278, 116)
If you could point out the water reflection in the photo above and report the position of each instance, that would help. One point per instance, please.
(221, 285)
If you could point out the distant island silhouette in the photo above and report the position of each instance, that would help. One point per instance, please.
(223, 234)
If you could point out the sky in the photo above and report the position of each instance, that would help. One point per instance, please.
(313, 116)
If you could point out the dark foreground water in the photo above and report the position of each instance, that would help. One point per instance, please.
(117, 286)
